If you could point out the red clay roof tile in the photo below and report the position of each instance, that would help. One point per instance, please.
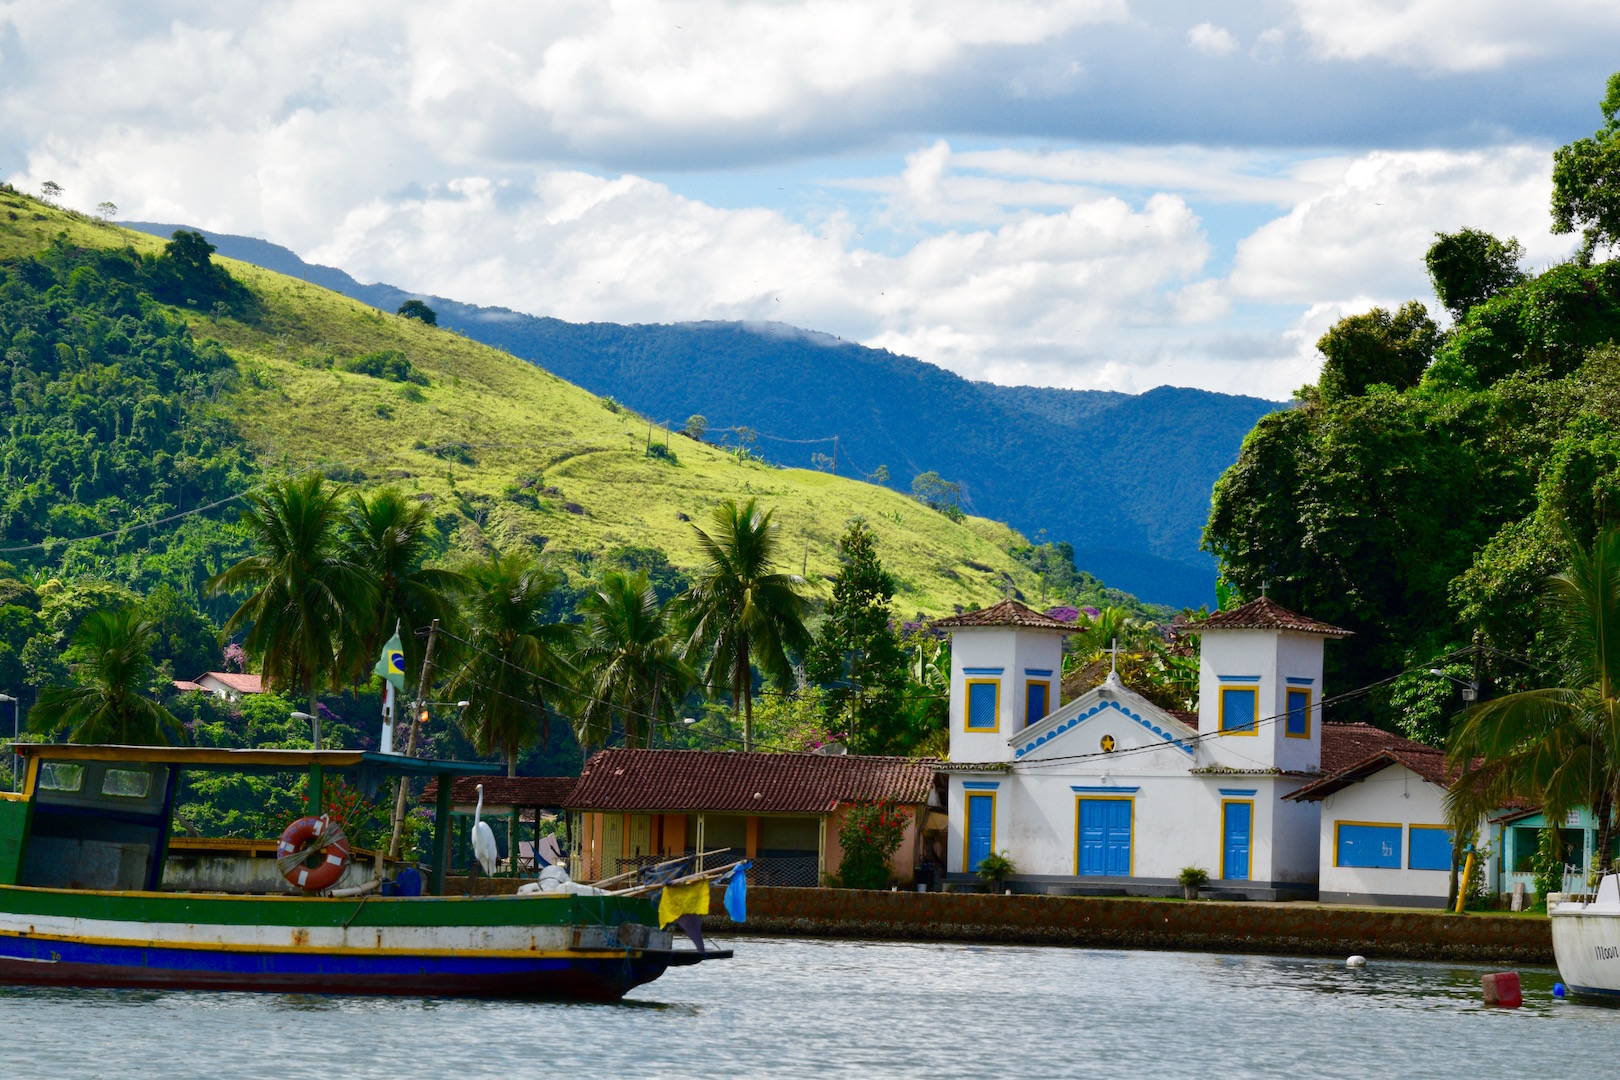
(1265, 614)
(693, 780)
(1007, 613)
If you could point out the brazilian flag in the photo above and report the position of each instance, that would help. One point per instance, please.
(391, 665)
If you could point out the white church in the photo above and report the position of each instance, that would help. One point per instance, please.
(1110, 790)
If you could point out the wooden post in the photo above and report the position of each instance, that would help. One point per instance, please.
(700, 842)
(441, 835)
(821, 852)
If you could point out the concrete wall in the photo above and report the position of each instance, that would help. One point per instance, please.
(1095, 922)
(1396, 796)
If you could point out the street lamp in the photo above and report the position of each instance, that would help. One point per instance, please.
(16, 733)
(314, 726)
(1470, 691)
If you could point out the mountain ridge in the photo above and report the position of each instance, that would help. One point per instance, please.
(1124, 478)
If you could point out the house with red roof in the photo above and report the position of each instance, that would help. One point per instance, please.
(634, 807)
(229, 685)
(1109, 792)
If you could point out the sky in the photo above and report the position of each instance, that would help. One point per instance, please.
(1095, 194)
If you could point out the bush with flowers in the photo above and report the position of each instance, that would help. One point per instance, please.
(870, 835)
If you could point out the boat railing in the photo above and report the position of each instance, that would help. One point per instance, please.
(783, 869)
(1578, 885)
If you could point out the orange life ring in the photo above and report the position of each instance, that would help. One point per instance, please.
(298, 837)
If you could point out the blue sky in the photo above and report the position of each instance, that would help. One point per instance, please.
(1085, 193)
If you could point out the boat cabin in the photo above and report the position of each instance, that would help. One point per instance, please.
(100, 817)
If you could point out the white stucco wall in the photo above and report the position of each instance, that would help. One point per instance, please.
(1266, 659)
(1393, 795)
(1009, 656)
(1176, 815)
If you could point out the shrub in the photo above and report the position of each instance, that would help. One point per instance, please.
(696, 426)
(869, 836)
(390, 364)
(996, 868)
(1194, 877)
(662, 453)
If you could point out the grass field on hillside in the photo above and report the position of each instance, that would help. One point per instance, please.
(488, 423)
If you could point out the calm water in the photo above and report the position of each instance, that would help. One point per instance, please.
(807, 1008)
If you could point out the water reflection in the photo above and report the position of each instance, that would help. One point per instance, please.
(809, 1008)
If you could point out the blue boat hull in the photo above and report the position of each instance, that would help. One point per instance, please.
(42, 962)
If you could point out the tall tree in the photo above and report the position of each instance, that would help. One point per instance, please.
(1377, 347)
(514, 658)
(739, 610)
(857, 655)
(391, 537)
(308, 596)
(1586, 179)
(1559, 746)
(629, 661)
(1468, 267)
(112, 665)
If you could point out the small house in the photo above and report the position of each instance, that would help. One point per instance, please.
(225, 685)
(1384, 838)
(783, 811)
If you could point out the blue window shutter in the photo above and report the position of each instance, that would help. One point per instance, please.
(1237, 709)
(981, 705)
(1299, 712)
(1375, 847)
(1429, 849)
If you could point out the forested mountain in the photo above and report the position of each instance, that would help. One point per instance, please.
(1432, 481)
(1125, 479)
(149, 386)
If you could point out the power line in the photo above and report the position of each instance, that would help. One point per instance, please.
(1199, 738)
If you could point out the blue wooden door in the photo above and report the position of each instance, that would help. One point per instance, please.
(1104, 838)
(1237, 817)
(981, 829)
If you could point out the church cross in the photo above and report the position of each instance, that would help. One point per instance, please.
(1113, 655)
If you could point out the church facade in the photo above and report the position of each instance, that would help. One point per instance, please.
(1112, 792)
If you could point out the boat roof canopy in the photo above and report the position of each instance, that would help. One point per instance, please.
(207, 757)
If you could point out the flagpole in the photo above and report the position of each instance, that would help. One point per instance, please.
(410, 742)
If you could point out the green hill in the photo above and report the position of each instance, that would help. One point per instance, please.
(506, 453)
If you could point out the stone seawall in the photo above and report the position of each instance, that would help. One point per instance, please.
(1097, 922)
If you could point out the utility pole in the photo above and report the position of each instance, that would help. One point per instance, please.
(419, 711)
(835, 455)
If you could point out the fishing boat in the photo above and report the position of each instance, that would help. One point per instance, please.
(1586, 941)
(86, 897)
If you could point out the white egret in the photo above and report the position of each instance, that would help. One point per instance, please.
(483, 837)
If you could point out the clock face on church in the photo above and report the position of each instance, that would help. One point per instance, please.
(1108, 744)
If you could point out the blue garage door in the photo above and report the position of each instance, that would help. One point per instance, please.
(1104, 838)
(1236, 818)
(981, 828)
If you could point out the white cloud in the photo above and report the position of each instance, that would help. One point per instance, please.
(1212, 40)
(979, 301)
(1365, 231)
(1444, 35)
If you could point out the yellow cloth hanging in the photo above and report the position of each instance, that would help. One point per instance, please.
(681, 900)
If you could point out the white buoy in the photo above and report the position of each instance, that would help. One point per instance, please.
(1356, 962)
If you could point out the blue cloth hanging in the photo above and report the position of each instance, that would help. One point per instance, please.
(736, 899)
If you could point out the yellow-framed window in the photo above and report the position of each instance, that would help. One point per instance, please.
(1240, 710)
(983, 709)
(1037, 700)
(1298, 723)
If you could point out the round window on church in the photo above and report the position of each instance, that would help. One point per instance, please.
(1108, 744)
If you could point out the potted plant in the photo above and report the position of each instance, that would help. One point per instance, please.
(995, 869)
(1192, 879)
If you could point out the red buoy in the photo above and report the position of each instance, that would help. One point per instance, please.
(301, 836)
(1502, 989)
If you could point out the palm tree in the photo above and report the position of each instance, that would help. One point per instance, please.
(1559, 746)
(740, 610)
(514, 658)
(112, 662)
(629, 661)
(391, 536)
(309, 597)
